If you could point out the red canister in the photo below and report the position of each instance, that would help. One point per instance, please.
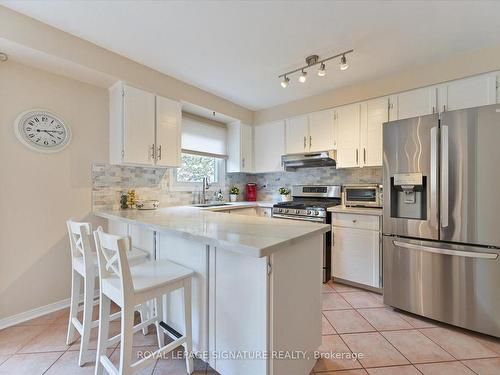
(251, 192)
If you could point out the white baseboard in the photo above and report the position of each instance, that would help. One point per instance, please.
(37, 312)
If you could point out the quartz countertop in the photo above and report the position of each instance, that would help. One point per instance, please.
(235, 205)
(250, 235)
(357, 210)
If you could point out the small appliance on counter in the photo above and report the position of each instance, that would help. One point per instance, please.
(251, 192)
(363, 195)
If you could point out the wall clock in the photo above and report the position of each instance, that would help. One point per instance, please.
(42, 131)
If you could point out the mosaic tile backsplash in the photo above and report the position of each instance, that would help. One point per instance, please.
(109, 181)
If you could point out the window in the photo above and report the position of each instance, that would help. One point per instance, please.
(203, 155)
(195, 167)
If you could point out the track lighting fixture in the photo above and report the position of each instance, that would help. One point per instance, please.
(303, 76)
(312, 61)
(322, 70)
(343, 63)
(285, 81)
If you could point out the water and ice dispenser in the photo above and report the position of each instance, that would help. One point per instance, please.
(409, 196)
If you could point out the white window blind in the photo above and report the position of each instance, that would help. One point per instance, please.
(203, 138)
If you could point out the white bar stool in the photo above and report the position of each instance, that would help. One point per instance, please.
(84, 266)
(131, 286)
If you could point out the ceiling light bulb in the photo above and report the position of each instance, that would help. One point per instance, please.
(303, 77)
(322, 70)
(343, 63)
(285, 81)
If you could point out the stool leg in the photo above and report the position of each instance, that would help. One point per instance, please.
(159, 318)
(73, 310)
(144, 316)
(102, 339)
(88, 306)
(188, 346)
(127, 337)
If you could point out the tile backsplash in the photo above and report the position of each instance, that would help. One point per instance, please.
(109, 181)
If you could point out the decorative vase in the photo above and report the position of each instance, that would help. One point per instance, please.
(286, 198)
(233, 197)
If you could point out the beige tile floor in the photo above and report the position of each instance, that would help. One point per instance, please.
(353, 321)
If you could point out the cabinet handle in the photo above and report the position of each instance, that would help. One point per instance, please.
(444, 108)
(354, 220)
(364, 155)
(243, 162)
(310, 141)
(304, 142)
(357, 159)
(433, 109)
(159, 152)
(153, 151)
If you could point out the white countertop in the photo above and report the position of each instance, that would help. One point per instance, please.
(236, 205)
(357, 210)
(249, 235)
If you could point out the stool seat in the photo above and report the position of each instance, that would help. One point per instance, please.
(146, 276)
(134, 256)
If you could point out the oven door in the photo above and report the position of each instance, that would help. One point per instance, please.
(327, 243)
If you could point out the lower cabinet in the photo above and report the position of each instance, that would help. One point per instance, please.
(264, 211)
(356, 248)
(248, 211)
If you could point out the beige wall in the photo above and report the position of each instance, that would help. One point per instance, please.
(30, 33)
(456, 67)
(39, 192)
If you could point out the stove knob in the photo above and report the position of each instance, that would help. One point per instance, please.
(287, 211)
(308, 212)
(317, 213)
(297, 212)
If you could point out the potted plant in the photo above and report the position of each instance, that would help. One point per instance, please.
(233, 193)
(285, 194)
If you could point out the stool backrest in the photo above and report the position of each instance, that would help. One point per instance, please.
(79, 239)
(112, 257)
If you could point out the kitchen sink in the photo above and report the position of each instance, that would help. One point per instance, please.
(211, 205)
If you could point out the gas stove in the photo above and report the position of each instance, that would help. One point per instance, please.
(309, 203)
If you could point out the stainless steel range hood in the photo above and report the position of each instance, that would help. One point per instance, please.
(309, 160)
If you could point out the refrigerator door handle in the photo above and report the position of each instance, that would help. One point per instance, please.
(434, 177)
(445, 165)
(437, 250)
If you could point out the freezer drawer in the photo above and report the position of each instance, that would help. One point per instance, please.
(450, 283)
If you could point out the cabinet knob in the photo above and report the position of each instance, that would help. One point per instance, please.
(354, 220)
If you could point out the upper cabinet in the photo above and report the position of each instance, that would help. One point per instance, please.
(413, 103)
(239, 147)
(373, 114)
(310, 133)
(347, 120)
(468, 92)
(145, 129)
(269, 146)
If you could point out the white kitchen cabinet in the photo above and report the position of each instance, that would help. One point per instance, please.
(297, 135)
(468, 92)
(414, 103)
(168, 132)
(322, 131)
(373, 114)
(311, 133)
(145, 129)
(264, 211)
(356, 248)
(239, 148)
(347, 120)
(247, 211)
(269, 146)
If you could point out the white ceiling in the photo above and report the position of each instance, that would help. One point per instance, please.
(236, 49)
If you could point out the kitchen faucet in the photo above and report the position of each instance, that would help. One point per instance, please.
(205, 187)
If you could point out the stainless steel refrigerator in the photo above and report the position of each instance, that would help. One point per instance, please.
(441, 248)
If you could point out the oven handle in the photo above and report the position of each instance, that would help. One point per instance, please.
(316, 220)
(437, 250)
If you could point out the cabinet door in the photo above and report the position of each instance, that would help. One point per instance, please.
(168, 132)
(347, 118)
(321, 131)
(297, 135)
(356, 255)
(233, 163)
(250, 211)
(138, 126)
(264, 212)
(373, 114)
(417, 102)
(467, 93)
(269, 146)
(246, 148)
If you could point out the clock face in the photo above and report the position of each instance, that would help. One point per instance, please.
(42, 131)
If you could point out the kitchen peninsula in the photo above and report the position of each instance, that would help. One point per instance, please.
(257, 282)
